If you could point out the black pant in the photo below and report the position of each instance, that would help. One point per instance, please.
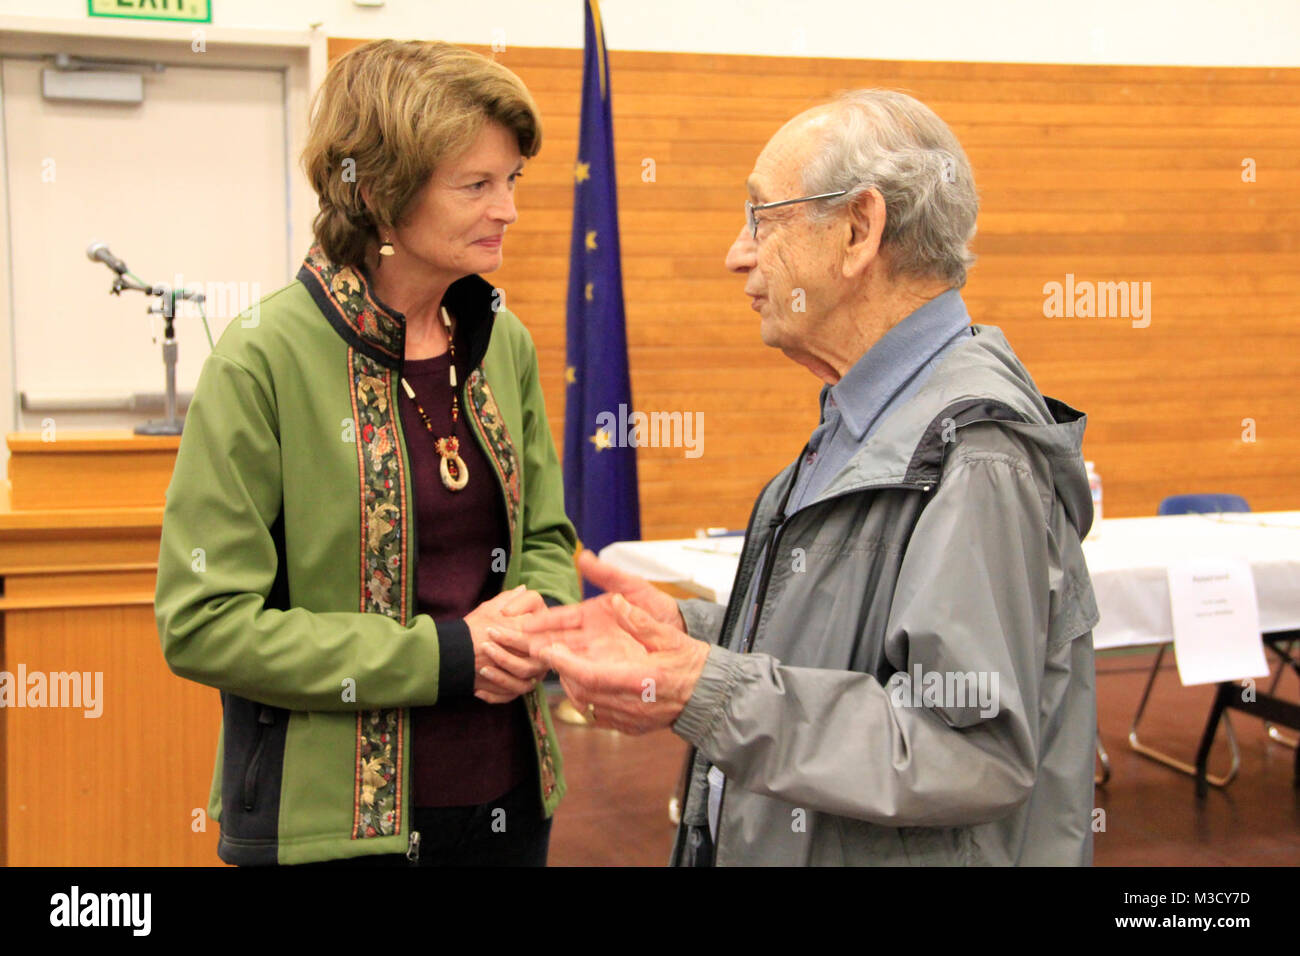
(509, 831)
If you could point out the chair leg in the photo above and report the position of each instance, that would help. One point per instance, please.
(1218, 710)
(1174, 763)
(1288, 660)
(1104, 759)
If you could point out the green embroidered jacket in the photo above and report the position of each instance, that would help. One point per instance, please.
(286, 573)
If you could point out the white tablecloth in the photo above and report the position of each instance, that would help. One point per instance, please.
(1127, 561)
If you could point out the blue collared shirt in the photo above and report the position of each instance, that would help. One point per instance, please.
(889, 374)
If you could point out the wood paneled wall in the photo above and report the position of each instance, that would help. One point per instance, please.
(1111, 174)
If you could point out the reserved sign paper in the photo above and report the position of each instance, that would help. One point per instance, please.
(1216, 621)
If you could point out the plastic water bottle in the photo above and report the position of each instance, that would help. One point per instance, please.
(1094, 485)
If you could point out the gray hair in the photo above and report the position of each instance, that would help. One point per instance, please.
(897, 144)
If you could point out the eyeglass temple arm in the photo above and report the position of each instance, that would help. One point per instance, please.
(787, 202)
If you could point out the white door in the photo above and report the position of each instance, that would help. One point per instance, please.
(188, 187)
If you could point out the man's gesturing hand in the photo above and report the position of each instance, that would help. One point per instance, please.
(638, 591)
(636, 671)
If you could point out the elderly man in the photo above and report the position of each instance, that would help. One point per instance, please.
(904, 673)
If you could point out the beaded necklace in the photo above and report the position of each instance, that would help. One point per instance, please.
(452, 468)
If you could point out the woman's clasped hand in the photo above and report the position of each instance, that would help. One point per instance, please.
(502, 678)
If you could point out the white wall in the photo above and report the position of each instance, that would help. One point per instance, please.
(1155, 32)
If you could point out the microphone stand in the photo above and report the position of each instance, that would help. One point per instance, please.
(166, 306)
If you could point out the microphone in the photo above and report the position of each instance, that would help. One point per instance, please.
(98, 252)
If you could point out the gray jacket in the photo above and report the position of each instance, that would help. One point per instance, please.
(918, 684)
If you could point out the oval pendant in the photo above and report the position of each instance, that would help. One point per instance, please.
(453, 471)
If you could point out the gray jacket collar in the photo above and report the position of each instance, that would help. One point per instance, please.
(981, 379)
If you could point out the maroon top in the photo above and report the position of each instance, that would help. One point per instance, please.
(463, 751)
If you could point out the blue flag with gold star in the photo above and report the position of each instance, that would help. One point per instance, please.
(600, 489)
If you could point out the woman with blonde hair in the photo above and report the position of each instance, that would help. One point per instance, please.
(366, 485)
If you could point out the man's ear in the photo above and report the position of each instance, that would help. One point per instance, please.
(866, 226)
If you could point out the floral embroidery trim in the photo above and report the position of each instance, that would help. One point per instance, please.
(487, 414)
(354, 304)
(535, 702)
(377, 807)
(485, 411)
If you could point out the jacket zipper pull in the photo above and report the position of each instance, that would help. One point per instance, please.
(413, 846)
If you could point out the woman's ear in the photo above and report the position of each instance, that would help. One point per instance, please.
(866, 227)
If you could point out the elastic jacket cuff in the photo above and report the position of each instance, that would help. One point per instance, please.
(708, 701)
(455, 659)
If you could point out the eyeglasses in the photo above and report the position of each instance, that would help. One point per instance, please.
(750, 208)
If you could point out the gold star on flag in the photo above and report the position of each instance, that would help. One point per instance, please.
(600, 439)
(591, 238)
(587, 291)
(581, 172)
(570, 375)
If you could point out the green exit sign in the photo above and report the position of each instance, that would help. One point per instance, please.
(195, 11)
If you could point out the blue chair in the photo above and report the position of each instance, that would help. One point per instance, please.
(1185, 505)
(1202, 504)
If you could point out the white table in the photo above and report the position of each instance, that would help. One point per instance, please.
(1127, 562)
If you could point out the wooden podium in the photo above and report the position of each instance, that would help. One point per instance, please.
(80, 521)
